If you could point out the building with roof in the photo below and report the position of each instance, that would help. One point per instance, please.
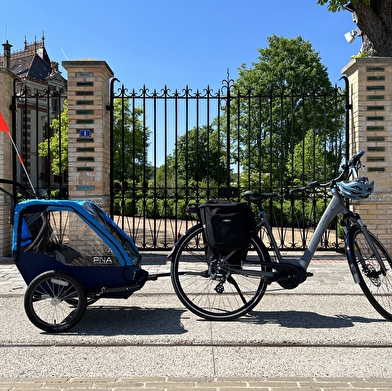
(31, 63)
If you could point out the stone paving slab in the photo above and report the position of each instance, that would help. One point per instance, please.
(210, 384)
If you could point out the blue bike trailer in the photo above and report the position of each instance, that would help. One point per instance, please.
(78, 238)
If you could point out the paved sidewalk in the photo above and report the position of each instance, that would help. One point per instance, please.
(322, 335)
(210, 384)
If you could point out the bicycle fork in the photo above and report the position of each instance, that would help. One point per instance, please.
(352, 252)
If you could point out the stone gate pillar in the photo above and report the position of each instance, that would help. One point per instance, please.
(6, 83)
(370, 83)
(89, 130)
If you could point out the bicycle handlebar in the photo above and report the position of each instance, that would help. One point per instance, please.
(311, 185)
(353, 164)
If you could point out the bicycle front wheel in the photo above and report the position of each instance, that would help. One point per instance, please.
(47, 301)
(374, 282)
(212, 288)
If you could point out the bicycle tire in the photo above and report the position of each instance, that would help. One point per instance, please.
(376, 286)
(46, 301)
(197, 287)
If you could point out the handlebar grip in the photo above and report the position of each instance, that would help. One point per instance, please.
(297, 190)
(310, 185)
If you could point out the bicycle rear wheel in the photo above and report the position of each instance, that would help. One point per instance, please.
(376, 285)
(213, 289)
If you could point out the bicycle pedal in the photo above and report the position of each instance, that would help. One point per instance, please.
(308, 274)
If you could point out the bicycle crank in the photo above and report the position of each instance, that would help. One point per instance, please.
(289, 276)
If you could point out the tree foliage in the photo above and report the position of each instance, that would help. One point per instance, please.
(57, 145)
(294, 83)
(281, 100)
(339, 5)
(309, 160)
(374, 19)
(131, 142)
(200, 155)
(284, 62)
(198, 161)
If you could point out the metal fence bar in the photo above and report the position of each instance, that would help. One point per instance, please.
(206, 144)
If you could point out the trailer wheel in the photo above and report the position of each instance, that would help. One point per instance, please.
(47, 301)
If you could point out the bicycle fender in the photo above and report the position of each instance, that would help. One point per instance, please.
(173, 250)
(350, 253)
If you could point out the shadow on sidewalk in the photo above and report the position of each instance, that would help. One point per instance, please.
(307, 319)
(117, 320)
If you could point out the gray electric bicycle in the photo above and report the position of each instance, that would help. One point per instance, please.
(224, 285)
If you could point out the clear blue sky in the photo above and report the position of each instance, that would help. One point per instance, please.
(175, 42)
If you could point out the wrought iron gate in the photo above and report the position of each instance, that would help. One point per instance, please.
(34, 107)
(174, 148)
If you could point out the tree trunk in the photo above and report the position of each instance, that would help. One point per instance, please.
(375, 22)
(367, 46)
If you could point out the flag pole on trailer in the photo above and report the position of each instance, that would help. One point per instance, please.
(4, 128)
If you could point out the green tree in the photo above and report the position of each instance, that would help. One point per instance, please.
(58, 146)
(374, 19)
(201, 155)
(198, 161)
(309, 160)
(289, 76)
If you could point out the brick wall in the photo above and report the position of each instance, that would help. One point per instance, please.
(6, 83)
(89, 130)
(370, 81)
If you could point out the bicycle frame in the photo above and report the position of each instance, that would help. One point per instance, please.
(289, 273)
(335, 207)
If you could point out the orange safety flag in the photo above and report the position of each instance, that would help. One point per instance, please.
(4, 128)
(3, 125)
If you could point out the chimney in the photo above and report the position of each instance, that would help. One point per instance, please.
(7, 54)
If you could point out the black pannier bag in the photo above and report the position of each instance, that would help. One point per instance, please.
(228, 225)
